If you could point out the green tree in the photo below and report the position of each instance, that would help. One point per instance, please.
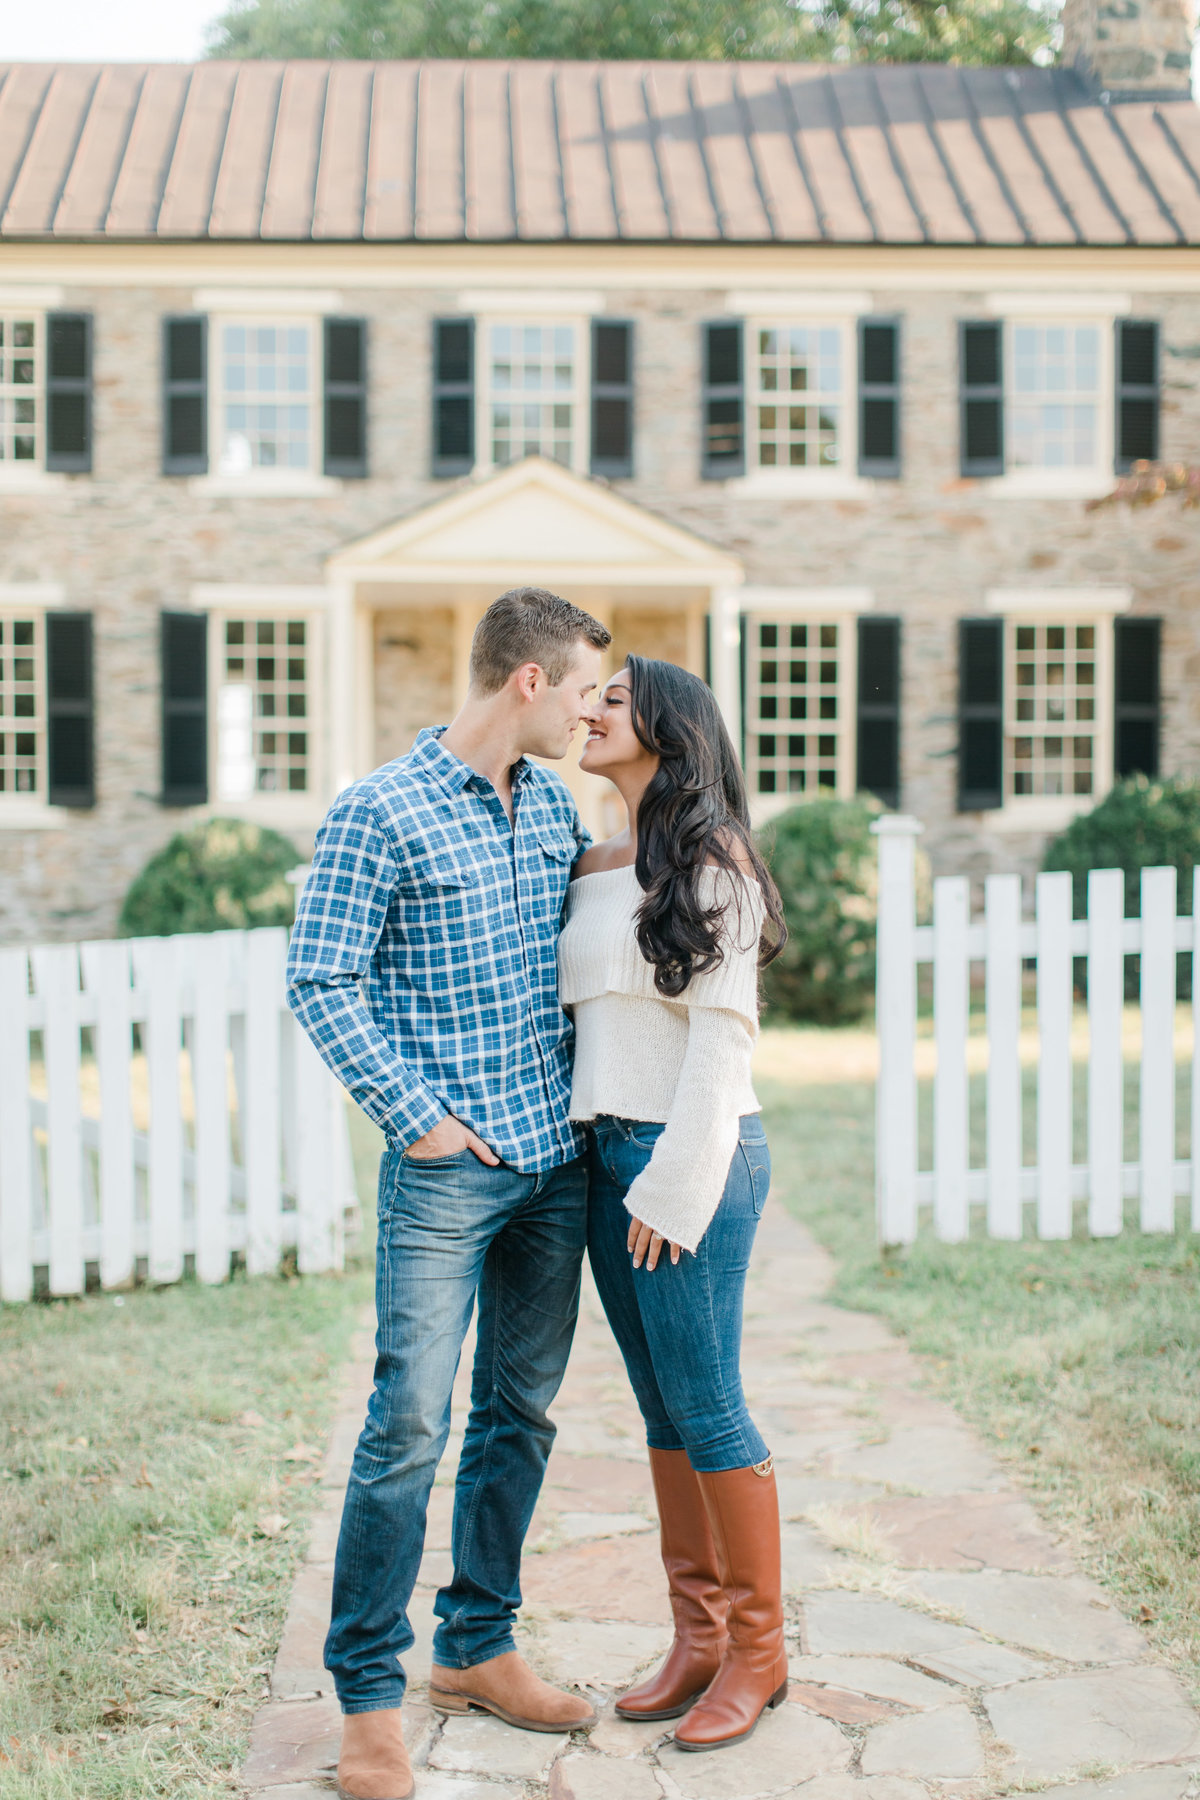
(953, 31)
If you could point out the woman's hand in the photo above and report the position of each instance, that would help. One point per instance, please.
(644, 1245)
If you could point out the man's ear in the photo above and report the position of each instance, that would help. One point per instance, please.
(529, 679)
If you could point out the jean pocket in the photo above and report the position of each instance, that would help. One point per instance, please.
(757, 1158)
(435, 1162)
(645, 1134)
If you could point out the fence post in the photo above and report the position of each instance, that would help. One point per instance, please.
(896, 1022)
(1156, 1132)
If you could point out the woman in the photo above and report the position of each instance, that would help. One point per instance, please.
(659, 965)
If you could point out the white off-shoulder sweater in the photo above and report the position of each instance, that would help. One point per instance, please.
(683, 1063)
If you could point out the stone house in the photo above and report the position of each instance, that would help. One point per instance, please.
(799, 376)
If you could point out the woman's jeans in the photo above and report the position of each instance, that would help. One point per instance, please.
(452, 1228)
(679, 1326)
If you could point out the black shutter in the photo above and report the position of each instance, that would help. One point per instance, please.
(184, 709)
(878, 764)
(879, 398)
(69, 710)
(1137, 393)
(612, 398)
(185, 395)
(981, 390)
(346, 398)
(69, 392)
(980, 714)
(1136, 723)
(723, 451)
(453, 396)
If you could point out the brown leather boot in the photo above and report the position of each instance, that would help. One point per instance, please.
(373, 1764)
(743, 1508)
(507, 1686)
(697, 1597)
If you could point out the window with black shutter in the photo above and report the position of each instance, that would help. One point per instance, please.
(980, 714)
(185, 395)
(723, 450)
(878, 753)
(346, 398)
(879, 398)
(453, 396)
(612, 398)
(981, 398)
(1136, 656)
(70, 732)
(1137, 393)
(184, 648)
(69, 392)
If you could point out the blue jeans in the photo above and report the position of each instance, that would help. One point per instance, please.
(679, 1326)
(451, 1227)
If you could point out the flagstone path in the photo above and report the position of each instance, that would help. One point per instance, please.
(941, 1641)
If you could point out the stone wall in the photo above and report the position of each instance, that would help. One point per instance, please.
(126, 542)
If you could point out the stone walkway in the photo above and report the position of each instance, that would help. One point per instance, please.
(941, 1641)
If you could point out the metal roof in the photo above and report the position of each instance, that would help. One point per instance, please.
(489, 152)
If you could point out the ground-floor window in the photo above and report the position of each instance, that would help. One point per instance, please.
(1052, 724)
(796, 705)
(22, 704)
(263, 707)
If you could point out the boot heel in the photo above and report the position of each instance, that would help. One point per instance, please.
(779, 1696)
(448, 1703)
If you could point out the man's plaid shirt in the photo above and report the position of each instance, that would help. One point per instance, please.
(423, 961)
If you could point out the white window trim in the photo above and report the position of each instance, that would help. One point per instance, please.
(265, 484)
(817, 606)
(842, 482)
(1054, 812)
(1063, 484)
(282, 811)
(31, 477)
(581, 393)
(18, 812)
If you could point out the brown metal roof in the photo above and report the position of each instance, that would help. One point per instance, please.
(493, 151)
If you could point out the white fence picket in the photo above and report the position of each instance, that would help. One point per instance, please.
(259, 1098)
(1054, 991)
(155, 963)
(16, 1130)
(951, 907)
(896, 1022)
(210, 1083)
(1156, 1140)
(1003, 1011)
(1106, 1069)
(106, 979)
(56, 981)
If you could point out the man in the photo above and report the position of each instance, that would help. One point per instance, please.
(423, 967)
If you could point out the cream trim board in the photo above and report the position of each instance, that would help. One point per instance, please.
(256, 299)
(1061, 602)
(258, 484)
(801, 602)
(34, 298)
(41, 594)
(1041, 813)
(18, 814)
(256, 597)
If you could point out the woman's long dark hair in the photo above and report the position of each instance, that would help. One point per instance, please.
(693, 814)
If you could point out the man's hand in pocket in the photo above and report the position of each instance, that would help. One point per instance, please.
(447, 1138)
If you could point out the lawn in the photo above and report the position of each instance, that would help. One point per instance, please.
(1079, 1361)
(159, 1452)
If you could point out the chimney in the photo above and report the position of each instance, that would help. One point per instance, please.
(1132, 49)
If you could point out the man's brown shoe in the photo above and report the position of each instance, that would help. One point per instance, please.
(507, 1686)
(373, 1764)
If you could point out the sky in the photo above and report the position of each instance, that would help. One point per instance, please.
(104, 30)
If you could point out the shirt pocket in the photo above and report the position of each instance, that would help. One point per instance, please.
(441, 898)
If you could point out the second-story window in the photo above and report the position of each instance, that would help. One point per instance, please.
(22, 705)
(263, 686)
(1054, 398)
(532, 407)
(798, 405)
(265, 402)
(20, 388)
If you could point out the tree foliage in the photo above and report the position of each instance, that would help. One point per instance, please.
(1147, 482)
(840, 31)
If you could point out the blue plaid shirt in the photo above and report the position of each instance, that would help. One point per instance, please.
(423, 960)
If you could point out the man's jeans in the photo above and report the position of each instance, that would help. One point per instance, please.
(450, 1227)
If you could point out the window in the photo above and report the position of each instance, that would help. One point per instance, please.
(533, 406)
(1052, 723)
(796, 706)
(798, 408)
(266, 388)
(20, 389)
(1054, 396)
(22, 705)
(264, 682)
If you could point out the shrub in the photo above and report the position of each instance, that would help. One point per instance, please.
(825, 864)
(1140, 824)
(223, 875)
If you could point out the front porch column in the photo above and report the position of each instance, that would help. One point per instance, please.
(725, 639)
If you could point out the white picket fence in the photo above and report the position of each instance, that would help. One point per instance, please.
(219, 1131)
(1001, 940)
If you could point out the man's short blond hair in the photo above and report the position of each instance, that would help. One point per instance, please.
(530, 625)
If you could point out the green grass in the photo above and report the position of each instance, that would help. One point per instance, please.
(1079, 1361)
(159, 1452)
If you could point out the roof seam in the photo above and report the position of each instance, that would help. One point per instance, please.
(699, 121)
(931, 125)
(992, 160)
(839, 126)
(558, 143)
(119, 162)
(798, 151)
(1064, 205)
(1110, 199)
(270, 158)
(743, 110)
(19, 161)
(1164, 126)
(1145, 176)
(613, 193)
(169, 150)
(510, 138)
(85, 115)
(316, 174)
(885, 128)
(664, 193)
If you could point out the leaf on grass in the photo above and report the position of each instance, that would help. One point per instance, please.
(116, 1712)
(243, 1631)
(143, 1479)
(1146, 1614)
(269, 1525)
